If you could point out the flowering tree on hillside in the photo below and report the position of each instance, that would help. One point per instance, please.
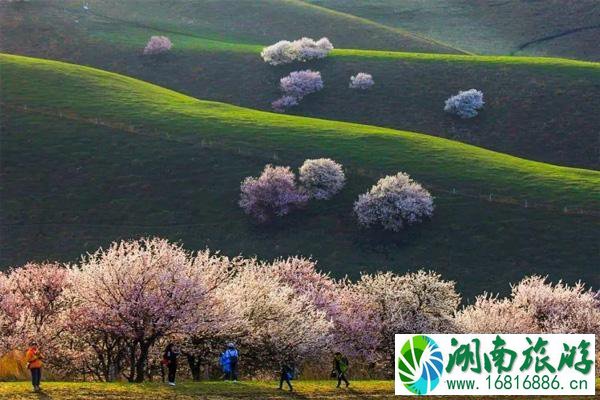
(295, 86)
(465, 104)
(284, 102)
(158, 45)
(272, 194)
(322, 178)
(361, 81)
(301, 83)
(304, 49)
(395, 201)
(139, 292)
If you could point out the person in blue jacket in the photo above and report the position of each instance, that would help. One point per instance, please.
(232, 357)
(225, 365)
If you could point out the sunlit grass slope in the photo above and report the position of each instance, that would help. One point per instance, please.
(537, 108)
(97, 156)
(98, 94)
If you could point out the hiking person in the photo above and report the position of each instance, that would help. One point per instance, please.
(232, 356)
(34, 358)
(287, 374)
(170, 360)
(340, 367)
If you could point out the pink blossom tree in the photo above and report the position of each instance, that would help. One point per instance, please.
(139, 291)
(31, 308)
(158, 45)
(304, 49)
(273, 194)
(301, 83)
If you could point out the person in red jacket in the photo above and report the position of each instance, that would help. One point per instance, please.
(34, 358)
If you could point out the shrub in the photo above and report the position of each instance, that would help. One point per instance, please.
(304, 49)
(273, 194)
(465, 104)
(158, 45)
(393, 202)
(301, 83)
(322, 178)
(361, 81)
(284, 102)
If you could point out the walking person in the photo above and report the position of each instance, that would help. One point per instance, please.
(340, 367)
(232, 356)
(287, 374)
(34, 358)
(170, 360)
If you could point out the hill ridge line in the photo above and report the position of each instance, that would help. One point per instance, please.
(69, 115)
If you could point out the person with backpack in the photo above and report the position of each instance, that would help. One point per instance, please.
(232, 356)
(287, 374)
(340, 367)
(170, 360)
(33, 358)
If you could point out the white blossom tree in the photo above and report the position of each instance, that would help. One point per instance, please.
(321, 178)
(362, 81)
(395, 201)
(465, 104)
(304, 49)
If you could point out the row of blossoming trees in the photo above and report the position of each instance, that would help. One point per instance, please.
(110, 315)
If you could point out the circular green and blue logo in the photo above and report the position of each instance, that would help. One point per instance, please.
(420, 364)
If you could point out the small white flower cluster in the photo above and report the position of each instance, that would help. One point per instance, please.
(304, 49)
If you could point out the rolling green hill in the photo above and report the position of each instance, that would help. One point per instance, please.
(89, 156)
(561, 28)
(537, 108)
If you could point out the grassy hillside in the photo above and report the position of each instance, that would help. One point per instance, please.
(223, 390)
(541, 109)
(89, 156)
(547, 28)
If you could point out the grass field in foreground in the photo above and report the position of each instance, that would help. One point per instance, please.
(223, 390)
(536, 108)
(119, 158)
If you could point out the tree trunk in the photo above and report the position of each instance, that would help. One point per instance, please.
(194, 363)
(140, 365)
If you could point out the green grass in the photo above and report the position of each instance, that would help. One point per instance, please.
(537, 108)
(219, 390)
(166, 164)
(489, 27)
